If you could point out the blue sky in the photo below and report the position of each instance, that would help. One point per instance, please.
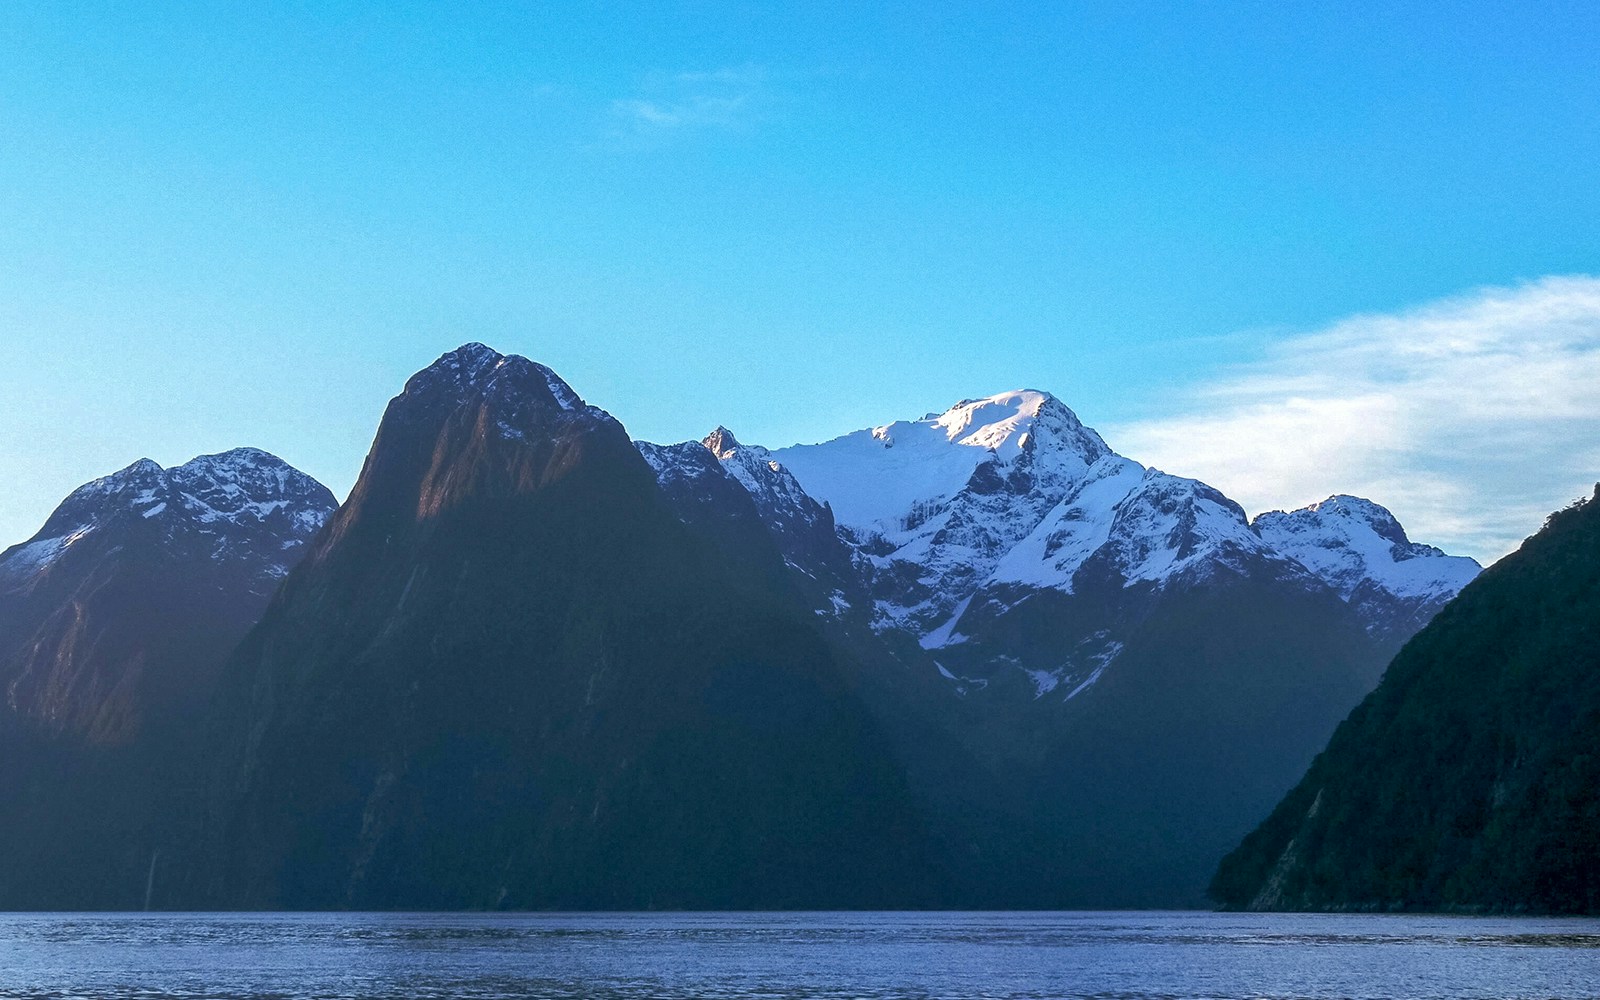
(247, 224)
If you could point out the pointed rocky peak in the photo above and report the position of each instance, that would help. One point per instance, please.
(721, 443)
(524, 399)
(473, 369)
(127, 487)
(142, 468)
(774, 488)
(477, 423)
(459, 369)
(742, 460)
(137, 475)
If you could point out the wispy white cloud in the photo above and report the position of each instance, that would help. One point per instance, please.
(1471, 418)
(694, 112)
(728, 97)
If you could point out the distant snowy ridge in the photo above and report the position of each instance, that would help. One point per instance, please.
(995, 498)
(1358, 548)
(217, 498)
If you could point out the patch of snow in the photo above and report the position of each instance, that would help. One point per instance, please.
(1074, 530)
(945, 635)
(1044, 681)
(1087, 683)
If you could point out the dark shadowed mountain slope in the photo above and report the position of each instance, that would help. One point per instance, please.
(115, 619)
(509, 676)
(1470, 779)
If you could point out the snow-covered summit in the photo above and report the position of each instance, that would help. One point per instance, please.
(243, 498)
(938, 503)
(1357, 547)
(1005, 423)
(874, 477)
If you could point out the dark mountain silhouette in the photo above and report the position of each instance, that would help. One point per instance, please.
(509, 676)
(1469, 779)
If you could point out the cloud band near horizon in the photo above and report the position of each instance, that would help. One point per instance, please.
(1471, 418)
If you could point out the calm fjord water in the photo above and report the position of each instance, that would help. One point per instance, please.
(1124, 955)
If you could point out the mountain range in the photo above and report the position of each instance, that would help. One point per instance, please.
(974, 659)
(1112, 668)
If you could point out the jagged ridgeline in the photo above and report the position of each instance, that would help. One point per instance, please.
(972, 659)
(1470, 779)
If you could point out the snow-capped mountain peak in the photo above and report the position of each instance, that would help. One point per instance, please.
(873, 478)
(1358, 548)
(721, 443)
(939, 502)
(957, 519)
(1004, 424)
(213, 500)
(138, 475)
(1345, 507)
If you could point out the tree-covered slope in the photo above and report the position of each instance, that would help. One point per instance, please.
(1470, 779)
